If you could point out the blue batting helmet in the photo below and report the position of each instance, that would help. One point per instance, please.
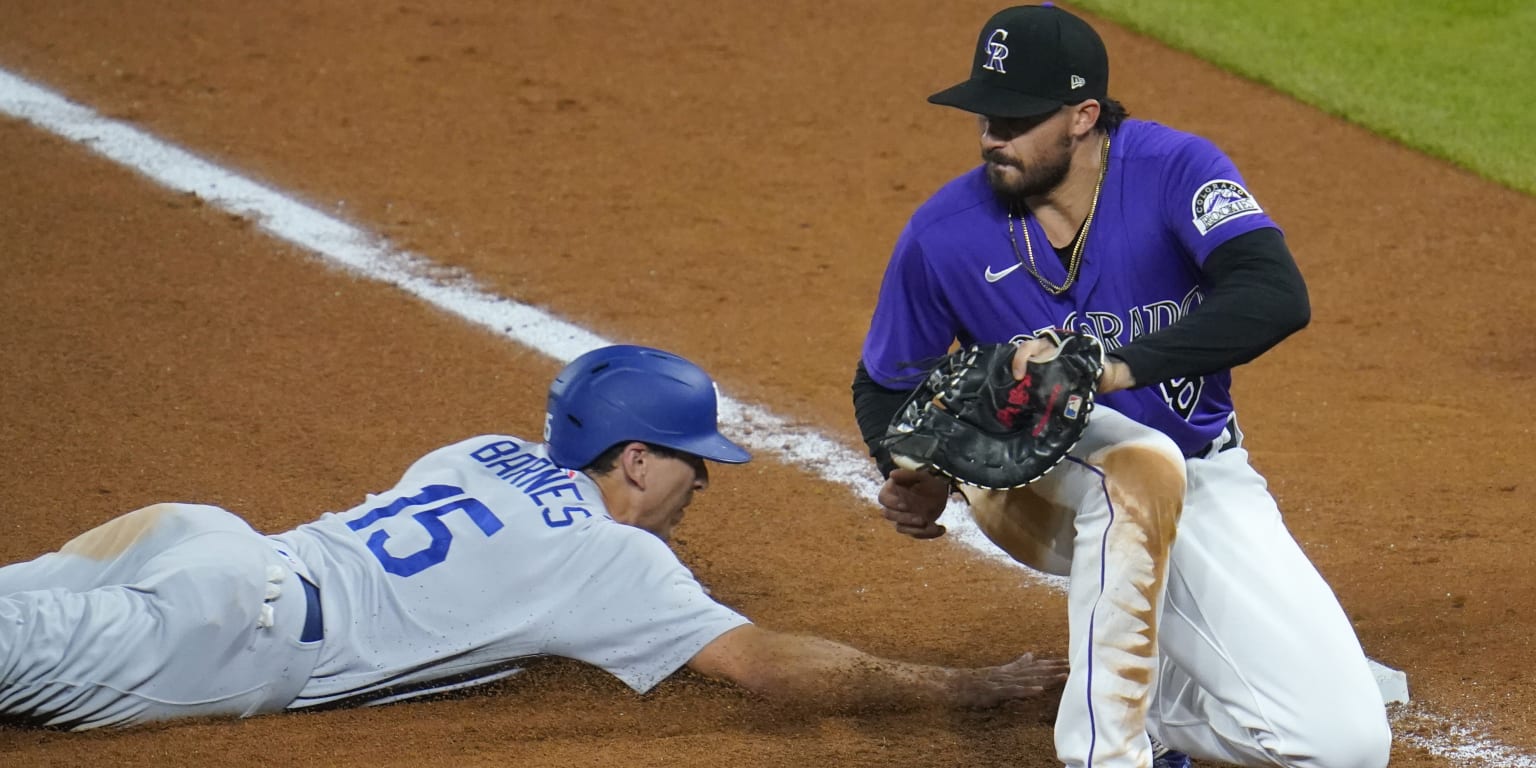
(616, 394)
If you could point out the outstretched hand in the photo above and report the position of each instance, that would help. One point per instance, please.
(914, 499)
(1023, 678)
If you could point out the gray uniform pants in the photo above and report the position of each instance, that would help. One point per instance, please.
(174, 610)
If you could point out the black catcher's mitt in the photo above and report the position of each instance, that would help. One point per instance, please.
(972, 421)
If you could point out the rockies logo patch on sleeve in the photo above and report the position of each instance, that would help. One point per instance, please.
(1221, 200)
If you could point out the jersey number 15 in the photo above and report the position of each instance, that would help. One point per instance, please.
(436, 550)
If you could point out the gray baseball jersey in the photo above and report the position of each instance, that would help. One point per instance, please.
(484, 556)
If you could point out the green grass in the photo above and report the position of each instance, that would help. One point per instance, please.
(1455, 79)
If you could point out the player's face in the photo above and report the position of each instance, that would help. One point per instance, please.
(1026, 157)
(670, 484)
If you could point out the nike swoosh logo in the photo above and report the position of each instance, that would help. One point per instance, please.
(993, 277)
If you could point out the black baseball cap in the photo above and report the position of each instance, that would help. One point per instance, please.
(1030, 60)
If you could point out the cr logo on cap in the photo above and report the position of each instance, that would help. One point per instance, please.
(996, 51)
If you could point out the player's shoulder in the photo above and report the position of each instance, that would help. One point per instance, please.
(1151, 141)
(481, 449)
(962, 197)
(630, 550)
(492, 442)
(492, 437)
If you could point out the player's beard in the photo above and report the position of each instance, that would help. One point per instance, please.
(1033, 179)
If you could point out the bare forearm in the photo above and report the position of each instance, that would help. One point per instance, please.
(836, 676)
(825, 674)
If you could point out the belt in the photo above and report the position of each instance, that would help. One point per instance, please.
(314, 622)
(1231, 437)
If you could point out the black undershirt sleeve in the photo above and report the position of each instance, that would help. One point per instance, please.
(1254, 298)
(874, 406)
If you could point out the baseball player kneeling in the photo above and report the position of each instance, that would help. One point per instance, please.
(1198, 627)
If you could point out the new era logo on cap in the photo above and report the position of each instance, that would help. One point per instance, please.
(1031, 60)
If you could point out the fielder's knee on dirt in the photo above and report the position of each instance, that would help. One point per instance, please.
(1341, 737)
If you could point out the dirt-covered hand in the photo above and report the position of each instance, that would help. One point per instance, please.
(1023, 678)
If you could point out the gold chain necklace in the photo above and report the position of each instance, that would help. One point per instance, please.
(1074, 263)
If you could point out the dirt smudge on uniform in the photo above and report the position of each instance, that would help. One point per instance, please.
(1032, 530)
(1146, 489)
(115, 536)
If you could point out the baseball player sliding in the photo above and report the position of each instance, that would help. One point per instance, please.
(488, 554)
(1197, 625)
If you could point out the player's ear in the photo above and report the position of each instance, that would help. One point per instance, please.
(1085, 116)
(634, 462)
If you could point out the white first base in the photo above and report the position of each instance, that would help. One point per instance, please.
(1393, 683)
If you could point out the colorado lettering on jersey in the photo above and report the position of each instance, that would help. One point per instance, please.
(1182, 395)
(537, 477)
(1111, 328)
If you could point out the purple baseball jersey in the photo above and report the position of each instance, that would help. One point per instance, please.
(1169, 198)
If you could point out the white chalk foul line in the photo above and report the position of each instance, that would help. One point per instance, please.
(368, 255)
(1459, 743)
